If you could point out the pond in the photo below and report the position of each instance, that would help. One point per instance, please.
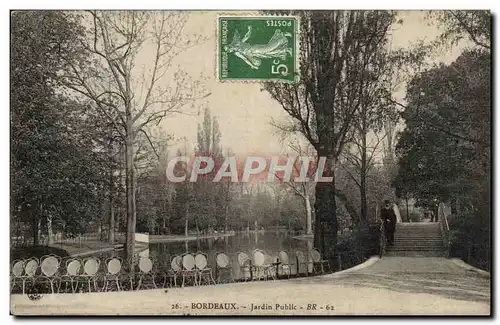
(270, 242)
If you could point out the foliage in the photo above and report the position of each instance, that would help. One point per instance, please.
(337, 52)
(209, 198)
(414, 217)
(378, 185)
(56, 169)
(114, 44)
(474, 25)
(37, 252)
(445, 150)
(471, 238)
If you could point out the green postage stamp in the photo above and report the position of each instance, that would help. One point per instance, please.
(258, 48)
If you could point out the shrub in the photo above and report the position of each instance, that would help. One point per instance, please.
(36, 251)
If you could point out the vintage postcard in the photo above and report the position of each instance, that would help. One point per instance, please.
(252, 163)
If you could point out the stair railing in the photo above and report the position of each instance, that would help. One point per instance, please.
(382, 239)
(445, 230)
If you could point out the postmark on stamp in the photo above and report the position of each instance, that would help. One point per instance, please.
(257, 48)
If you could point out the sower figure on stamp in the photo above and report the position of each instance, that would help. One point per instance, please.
(389, 219)
(276, 47)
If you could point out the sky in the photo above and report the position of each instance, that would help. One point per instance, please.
(243, 110)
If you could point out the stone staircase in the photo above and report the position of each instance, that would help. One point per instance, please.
(418, 239)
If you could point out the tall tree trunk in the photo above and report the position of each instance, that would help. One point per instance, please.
(170, 209)
(325, 234)
(36, 225)
(18, 230)
(407, 212)
(39, 232)
(103, 219)
(35, 228)
(348, 206)
(225, 217)
(111, 236)
(186, 224)
(163, 213)
(130, 189)
(99, 230)
(151, 223)
(362, 176)
(458, 206)
(50, 232)
(364, 166)
(307, 202)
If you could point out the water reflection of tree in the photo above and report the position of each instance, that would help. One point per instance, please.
(270, 242)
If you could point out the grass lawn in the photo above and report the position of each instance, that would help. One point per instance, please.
(74, 248)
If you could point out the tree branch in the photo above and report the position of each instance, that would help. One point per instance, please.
(150, 143)
(439, 128)
(469, 31)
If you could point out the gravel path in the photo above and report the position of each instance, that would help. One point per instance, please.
(391, 286)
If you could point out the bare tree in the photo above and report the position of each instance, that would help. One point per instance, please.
(227, 191)
(358, 161)
(336, 47)
(304, 189)
(130, 95)
(474, 25)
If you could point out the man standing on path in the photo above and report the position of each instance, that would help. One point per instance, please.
(389, 219)
(433, 216)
